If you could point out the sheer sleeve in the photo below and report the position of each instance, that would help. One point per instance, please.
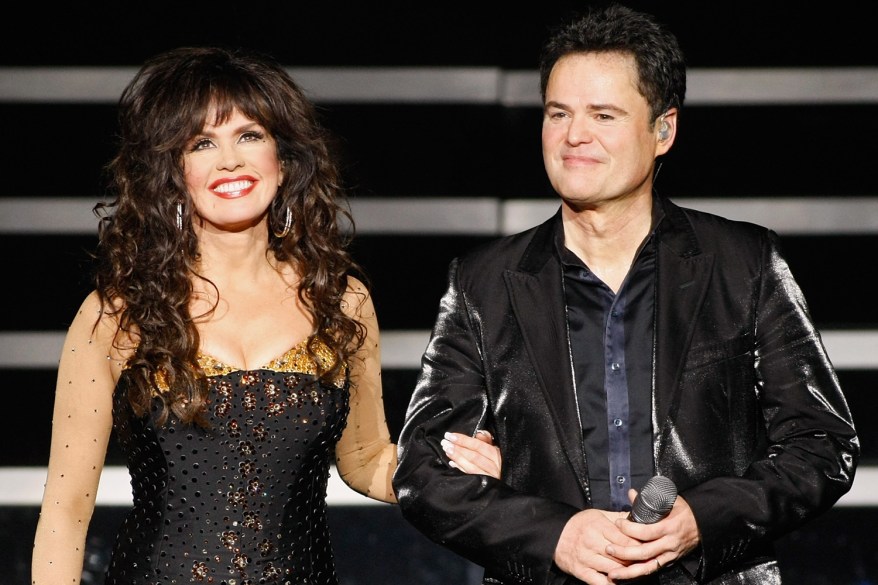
(81, 426)
(365, 455)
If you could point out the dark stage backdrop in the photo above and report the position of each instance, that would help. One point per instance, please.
(437, 112)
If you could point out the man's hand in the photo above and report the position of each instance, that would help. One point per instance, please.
(657, 545)
(582, 548)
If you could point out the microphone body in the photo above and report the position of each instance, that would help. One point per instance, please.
(654, 501)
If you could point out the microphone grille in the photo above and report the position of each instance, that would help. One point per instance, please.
(655, 500)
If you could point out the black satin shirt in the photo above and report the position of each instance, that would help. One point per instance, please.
(610, 337)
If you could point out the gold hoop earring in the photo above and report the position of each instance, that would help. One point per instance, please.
(288, 223)
(179, 216)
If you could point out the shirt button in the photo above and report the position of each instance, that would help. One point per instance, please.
(620, 479)
(617, 422)
(615, 366)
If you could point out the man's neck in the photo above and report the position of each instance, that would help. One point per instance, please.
(607, 237)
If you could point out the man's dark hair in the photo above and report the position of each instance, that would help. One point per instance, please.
(661, 66)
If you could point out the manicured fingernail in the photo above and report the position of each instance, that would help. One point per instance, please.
(447, 446)
(451, 437)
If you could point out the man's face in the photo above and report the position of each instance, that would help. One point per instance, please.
(599, 144)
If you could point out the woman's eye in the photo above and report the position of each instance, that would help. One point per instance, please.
(201, 144)
(252, 136)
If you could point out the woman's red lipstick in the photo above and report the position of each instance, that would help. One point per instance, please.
(233, 187)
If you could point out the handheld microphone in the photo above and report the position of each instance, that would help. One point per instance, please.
(654, 501)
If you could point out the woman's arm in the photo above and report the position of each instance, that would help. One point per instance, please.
(476, 454)
(365, 454)
(81, 426)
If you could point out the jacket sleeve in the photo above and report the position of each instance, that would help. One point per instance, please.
(510, 533)
(810, 450)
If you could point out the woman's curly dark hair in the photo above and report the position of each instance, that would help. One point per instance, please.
(145, 264)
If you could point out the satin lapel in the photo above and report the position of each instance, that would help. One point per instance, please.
(681, 285)
(538, 304)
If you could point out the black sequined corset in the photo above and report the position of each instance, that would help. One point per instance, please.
(243, 503)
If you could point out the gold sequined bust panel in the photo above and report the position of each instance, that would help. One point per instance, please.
(243, 502)
(295, 359)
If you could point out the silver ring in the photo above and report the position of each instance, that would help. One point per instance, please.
(658, 565)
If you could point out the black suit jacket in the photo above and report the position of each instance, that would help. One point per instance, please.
(748, 417)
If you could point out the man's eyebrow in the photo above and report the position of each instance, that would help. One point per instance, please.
(590, 107)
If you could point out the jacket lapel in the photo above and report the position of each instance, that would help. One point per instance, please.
(537, 298)
(683, 274)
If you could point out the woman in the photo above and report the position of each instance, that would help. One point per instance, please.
(227, 341)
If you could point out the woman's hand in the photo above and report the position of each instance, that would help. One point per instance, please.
(473, 454)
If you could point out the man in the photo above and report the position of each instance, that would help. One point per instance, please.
(623, 338)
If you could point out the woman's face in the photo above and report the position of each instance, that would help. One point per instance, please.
(232, 173)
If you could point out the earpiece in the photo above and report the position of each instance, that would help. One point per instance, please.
(664, 130)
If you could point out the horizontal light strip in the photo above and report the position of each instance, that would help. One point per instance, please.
(402, 349)
(427, 215)
(415, 215)
(741, 87)
(48, 215)
(23, 486)
(465, 85)
(785, 215)
(818, 215)
(484, 216)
